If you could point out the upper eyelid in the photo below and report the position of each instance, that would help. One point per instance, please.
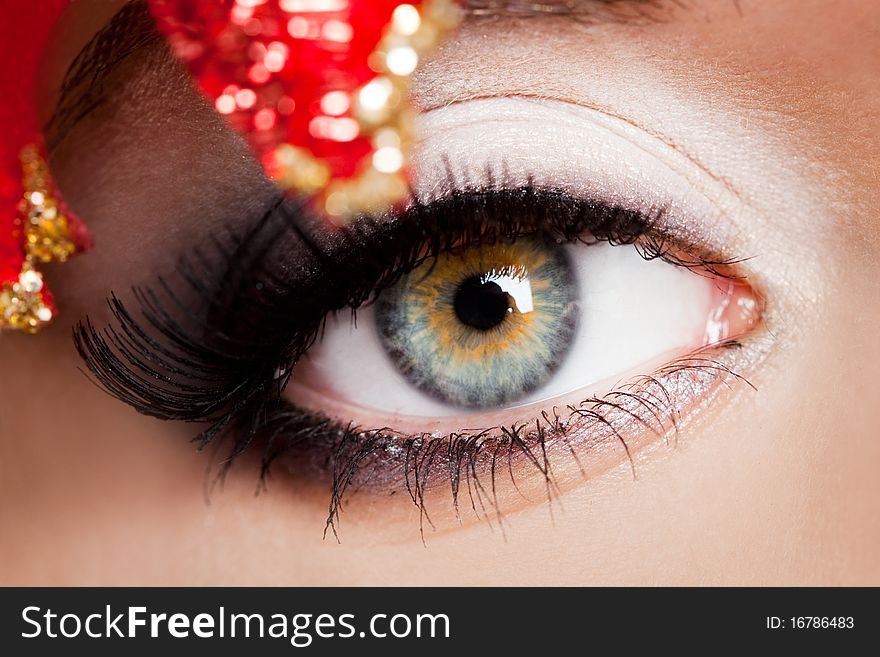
(706, 220)
(621, 120)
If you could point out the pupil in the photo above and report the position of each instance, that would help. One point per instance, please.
(481, 304)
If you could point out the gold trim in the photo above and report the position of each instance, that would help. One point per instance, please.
(25, 304)
(384, 113)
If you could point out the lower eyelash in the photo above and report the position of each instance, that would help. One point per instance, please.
(470, 462)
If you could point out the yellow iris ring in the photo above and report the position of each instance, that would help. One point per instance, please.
(460, 341)
(431, 345)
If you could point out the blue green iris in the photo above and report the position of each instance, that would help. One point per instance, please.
(484, 326)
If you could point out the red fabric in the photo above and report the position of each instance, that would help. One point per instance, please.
(326, 47)
(24, 32)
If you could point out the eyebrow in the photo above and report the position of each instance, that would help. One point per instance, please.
(595, 11)
(84, 87)
(132, 30)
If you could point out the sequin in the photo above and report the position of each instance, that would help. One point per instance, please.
(46, 232)
(32, 222)
(314, 80)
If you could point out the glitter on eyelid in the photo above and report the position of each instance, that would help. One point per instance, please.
(321, 54)
(402, 60)
(407, 19)
(335, 103)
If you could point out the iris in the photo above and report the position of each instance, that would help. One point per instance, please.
(482, 326)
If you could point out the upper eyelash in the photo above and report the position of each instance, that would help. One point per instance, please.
(225, 360)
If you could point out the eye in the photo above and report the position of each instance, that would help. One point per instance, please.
(500, 332)
(560, 285)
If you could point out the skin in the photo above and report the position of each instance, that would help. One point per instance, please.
(776, 102)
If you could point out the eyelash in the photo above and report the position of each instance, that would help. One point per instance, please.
(210, 348)
(386, 460)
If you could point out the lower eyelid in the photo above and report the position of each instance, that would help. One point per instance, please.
(517, 465)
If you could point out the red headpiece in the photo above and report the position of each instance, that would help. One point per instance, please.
(319, 87)
(35, 227)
